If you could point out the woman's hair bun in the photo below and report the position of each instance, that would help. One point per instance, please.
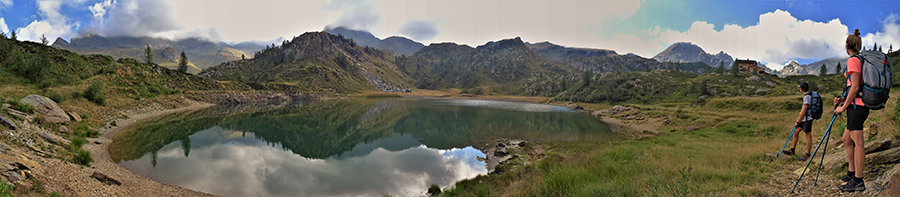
(856, 32)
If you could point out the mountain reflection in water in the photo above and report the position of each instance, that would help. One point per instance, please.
(337, 148)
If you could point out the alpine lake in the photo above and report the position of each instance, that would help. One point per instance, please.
(355, 147)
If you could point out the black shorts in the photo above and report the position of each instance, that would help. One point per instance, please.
(806, 126)
(856, 116)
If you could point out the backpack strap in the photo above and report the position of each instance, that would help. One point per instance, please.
(861, 61)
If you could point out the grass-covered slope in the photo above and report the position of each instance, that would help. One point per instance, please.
(666, 86)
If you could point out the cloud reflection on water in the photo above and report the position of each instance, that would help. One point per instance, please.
(241, 165)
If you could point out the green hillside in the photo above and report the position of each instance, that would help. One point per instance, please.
(666, 86)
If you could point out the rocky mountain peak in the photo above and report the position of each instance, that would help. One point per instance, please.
(689, 52)
(60, 42)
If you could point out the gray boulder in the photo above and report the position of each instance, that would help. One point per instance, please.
(44, 106)
(9, 123)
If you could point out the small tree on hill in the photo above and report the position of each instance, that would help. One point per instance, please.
(183, 63)
(720, 69)
(148, 55)
(891, 48)
(242, 57)
(3, 34)
(734, 69)
(12, 35)
(875, 47)
(823, 71)
(837, 69)
(702, 87)
(44, 39)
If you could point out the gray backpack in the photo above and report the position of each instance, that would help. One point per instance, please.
(876, 75)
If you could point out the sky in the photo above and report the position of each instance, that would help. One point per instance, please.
(773, 32)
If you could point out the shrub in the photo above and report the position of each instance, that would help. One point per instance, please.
(434, 190)
(56, 97)
(94, 93)
(20, 106)
(77, 142)
(77, 95)
(83, 131)
(82, 157)
(6, 190)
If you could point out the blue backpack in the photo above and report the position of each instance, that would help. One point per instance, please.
(815, 106)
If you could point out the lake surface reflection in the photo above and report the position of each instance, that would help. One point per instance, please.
(396, 147)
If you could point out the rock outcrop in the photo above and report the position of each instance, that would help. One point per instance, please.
(8, 123)
(46, 107)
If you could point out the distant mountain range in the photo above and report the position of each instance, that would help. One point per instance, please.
(602, 60)
(200, 52)
(397, 44)
(794, 68)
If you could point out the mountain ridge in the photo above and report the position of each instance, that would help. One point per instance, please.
(202, 53)
(398, 44)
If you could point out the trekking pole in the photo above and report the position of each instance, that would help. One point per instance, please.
(786, 142)
(825, 149)
(814, 153)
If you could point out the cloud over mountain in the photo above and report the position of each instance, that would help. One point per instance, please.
(132, 18)
(419, 30)
(355, 14)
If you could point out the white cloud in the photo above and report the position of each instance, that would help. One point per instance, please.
(355, 14)
(132, 18)
(889, 34)
(6, 3)
(53, 24)
(776, 39)
(419, 30)
(3, 27)
(99, 9)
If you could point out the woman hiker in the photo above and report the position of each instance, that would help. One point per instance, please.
(856, 116)
(804, 122)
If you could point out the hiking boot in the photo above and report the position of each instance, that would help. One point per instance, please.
(847, 177)
(804, 157)
(855, 184)
(788, 152)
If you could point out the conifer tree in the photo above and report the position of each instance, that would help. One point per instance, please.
(734, 69)
(823, 71)
(183, 63)
(148, 55)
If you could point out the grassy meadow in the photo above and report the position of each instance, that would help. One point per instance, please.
(725, 157)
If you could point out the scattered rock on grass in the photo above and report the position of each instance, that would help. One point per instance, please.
(75, 117)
